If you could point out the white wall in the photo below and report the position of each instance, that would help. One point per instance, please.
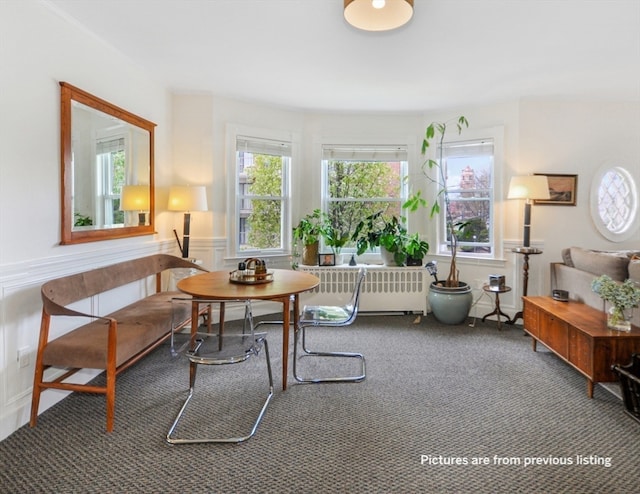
(38, 48)
(540, 136)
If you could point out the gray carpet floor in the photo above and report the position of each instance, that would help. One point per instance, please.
(443, 409)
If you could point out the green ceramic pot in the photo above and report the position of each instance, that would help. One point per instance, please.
(450, 305)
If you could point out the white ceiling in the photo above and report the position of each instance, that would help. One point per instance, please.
(302, 54)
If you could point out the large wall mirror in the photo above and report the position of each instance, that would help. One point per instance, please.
(107, 169)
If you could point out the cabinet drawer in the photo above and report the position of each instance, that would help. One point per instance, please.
(581, 350)
(554, 333)
(530, 319)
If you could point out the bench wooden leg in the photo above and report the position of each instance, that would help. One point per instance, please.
(39, 370)
(35, 400)
(111, 375)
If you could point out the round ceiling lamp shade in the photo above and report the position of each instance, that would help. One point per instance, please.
(378, 15)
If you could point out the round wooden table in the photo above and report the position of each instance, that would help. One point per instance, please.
(286, 284)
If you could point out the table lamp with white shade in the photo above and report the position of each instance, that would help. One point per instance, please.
(136, 198)
(528, 187)
(187, 199)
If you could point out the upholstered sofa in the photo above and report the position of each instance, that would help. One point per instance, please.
(580, 266)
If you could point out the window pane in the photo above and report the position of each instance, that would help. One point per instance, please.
(357, 188)
(264, 177)
(615, 201)
(111, 158)
(262, 228)
(468, 169)
(262, 167)
(349, 179)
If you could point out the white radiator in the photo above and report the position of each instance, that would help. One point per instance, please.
(385, 289)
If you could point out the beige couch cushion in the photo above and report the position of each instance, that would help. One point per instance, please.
(613, 264)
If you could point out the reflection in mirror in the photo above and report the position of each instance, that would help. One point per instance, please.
(107, 170)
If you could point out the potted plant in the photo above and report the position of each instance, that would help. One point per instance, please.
(308, 231)
(416, 249)
(336, 240)
(388, 233)
(622, 296)
(450, 300)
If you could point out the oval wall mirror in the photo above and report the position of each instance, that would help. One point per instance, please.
(107, 170)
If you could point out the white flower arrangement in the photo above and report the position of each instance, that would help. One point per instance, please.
(621, 296)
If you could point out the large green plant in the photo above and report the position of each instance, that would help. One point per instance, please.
(377, 230)
(435, 173)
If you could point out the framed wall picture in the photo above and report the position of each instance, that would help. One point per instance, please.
(562, 190)
(326, 259)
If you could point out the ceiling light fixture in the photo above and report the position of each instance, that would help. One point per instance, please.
(378, 15)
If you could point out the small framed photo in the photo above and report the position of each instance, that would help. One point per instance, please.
(326, 259)
(562, 190)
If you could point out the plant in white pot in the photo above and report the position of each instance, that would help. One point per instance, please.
(450, 299)
(386, 232)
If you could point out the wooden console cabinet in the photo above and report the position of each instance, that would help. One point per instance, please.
(578, 334)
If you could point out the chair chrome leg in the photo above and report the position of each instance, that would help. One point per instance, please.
(173, 440)
(300, 335)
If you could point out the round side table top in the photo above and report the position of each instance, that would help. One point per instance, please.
(496, 289)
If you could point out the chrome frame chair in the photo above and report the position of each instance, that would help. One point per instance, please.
(327, 316)
(222, 349)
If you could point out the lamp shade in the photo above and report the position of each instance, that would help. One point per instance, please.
(378, 15)
(186, 198)
(134, 198)
(529, 187)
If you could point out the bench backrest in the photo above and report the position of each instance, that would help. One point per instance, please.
(58, 293)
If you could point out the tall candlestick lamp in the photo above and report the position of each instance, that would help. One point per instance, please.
(187, 199)
(528, 187)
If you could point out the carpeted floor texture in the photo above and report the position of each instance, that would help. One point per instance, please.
(443, 409)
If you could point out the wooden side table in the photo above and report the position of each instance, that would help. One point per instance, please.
(526, 252)
(496, 310)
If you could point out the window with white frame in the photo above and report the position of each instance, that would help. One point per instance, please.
(468, 168)
(262, 194)
(359, 180)
(111, 163)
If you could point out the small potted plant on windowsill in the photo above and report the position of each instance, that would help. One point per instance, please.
(416, 249)
(388, 233)
(336, 240)
(308, 232)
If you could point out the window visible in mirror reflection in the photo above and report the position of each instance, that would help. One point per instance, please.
(107, 154)
(103, 149)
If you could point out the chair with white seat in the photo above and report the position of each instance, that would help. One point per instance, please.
(211, 349)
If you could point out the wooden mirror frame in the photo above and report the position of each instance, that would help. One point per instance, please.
(69, 93)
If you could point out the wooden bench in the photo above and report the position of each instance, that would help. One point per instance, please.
(112, 342)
